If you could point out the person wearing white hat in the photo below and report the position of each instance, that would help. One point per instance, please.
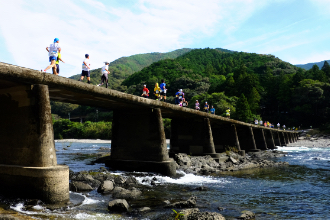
(145, 92)
(206, 107)
(197, 105)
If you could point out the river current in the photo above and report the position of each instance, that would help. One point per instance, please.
(298, 191)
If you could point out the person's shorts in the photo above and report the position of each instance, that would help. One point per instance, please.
(57, 68)
(163, 93)
(52, 58)
(85, 73)
(104, 78)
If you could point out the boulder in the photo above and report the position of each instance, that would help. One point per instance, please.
(190, 203)
(118, 205)
(205, 216)
(247, 215)
(122, 193)
(130, 181)
(119, 180)
(233, 160)
(182, 159)
(144, 209)
(105, 187)
(76, 186)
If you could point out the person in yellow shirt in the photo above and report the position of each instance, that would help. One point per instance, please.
(157, 91)
(59, 58)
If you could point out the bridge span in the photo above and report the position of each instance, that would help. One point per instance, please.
(28, 164)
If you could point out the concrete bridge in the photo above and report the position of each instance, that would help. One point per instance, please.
(28, 165)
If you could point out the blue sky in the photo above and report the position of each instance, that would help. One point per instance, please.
(296, 31)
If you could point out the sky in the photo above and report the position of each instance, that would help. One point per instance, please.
(296, 31)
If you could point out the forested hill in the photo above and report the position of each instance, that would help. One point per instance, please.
(308, 66)
(123, 67)
(252, 85)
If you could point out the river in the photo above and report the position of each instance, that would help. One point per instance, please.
(298, 191)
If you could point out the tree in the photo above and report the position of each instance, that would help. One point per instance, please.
(326, 68)
(254, 99)
(243, 112)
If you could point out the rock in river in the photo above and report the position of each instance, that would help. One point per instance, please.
(76, 186)
(118, 205)
(105, 187)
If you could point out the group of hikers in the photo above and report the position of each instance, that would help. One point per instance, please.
(160, 94)
(270, 125)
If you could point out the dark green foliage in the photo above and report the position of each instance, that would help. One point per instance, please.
(243, 112)
(64, 128)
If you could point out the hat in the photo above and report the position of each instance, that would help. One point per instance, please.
(180, 90)
(56, 39)
(196, 100)
(144, 85)
(106, 62)
(205, 102)
(86, 55)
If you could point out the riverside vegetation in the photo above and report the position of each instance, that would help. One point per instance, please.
(253, 86)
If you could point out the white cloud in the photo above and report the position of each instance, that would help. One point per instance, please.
(107, 33)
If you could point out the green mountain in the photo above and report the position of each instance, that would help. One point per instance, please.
(308, 66)
(275, 90)
(123, 67)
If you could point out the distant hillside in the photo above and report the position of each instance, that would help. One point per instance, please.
(310, 65)
(123, 67)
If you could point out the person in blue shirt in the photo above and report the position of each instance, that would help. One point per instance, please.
(177, 100)
(212, 110)
(163, 90)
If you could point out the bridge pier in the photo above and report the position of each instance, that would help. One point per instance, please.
(225, 135)
(192, 136)
(277, 139)
(270, 139)
(287, 136)
(28, 165)
(246, 139)
(283, 139)
(139, 142)
(260, 139)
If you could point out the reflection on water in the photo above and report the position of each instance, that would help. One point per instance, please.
(298, 191)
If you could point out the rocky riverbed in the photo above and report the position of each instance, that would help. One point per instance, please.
(204, 188)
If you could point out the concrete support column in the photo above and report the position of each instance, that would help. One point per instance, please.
(246, 139)
(270, 139)
(28, 165)
(139, 143)
(286, 135)
(208, 146)
(277, 139)
(192, 136)
(283, 139)
(259, 138)
(225, 136)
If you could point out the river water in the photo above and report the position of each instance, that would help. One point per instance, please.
(299, 191)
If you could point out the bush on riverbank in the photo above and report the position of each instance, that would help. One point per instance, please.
(64, 128)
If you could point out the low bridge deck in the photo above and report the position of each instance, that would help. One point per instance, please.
(71, 91)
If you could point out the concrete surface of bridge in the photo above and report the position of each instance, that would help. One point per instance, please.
(27, 151)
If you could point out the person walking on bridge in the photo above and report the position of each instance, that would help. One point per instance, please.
(197, 105)
(212, 110)
(86, 70)
(184, 102)
(206, 107)
(278, 125)
(163, 90)
(228, 112)
(157, 91)
(104, 78)
(59, 58)
(145, 92)
(53, 51)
